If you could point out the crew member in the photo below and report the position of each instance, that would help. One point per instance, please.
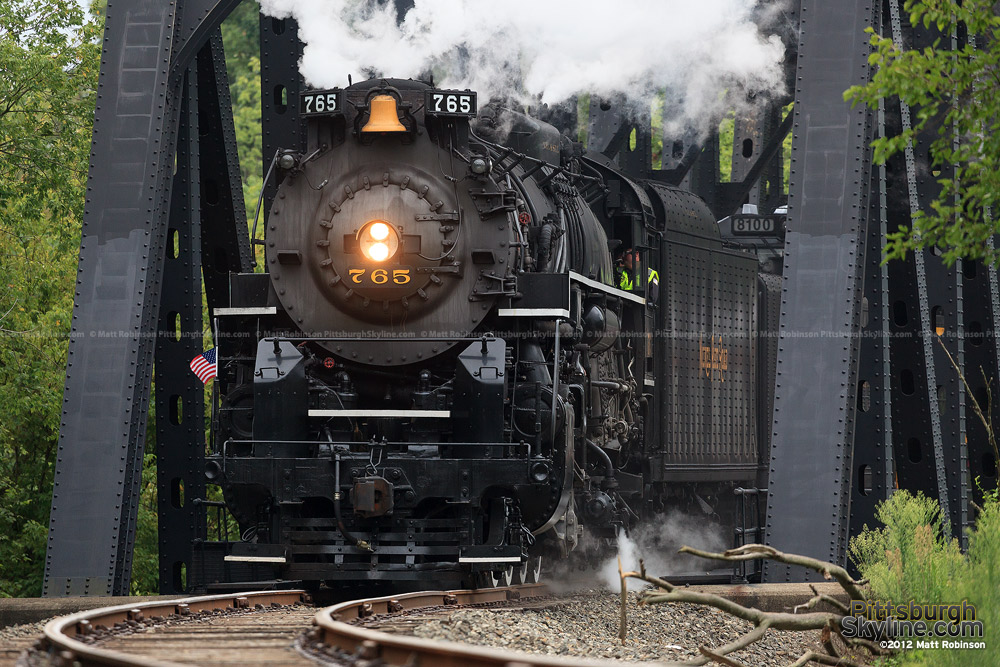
(627, 264)
(628, 268)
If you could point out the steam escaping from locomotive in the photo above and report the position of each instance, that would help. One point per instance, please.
(707, 56)
(657, 542)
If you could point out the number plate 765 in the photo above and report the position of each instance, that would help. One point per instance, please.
(379, 276)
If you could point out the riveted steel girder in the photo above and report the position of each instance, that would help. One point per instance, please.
(148, 47)
(815, 389)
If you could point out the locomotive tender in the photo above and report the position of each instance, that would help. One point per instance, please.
(437, 377)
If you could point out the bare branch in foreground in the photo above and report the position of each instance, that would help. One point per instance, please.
(825, 659)
(623, 624)
(820, 597)
(987, 421)
(762, 551)
(828, 622)
(721, 659)
(762, 620)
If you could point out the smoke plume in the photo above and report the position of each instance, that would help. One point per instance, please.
(706, 56)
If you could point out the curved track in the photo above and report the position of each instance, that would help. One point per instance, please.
(274, 628)
(337, 637)
(240, 628)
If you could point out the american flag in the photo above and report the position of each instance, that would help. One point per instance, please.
(204, 365)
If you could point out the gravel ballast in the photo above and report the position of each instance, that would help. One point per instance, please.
(17, 638)
(586, 625)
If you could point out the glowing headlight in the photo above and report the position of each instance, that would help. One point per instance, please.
(378, 241)
(378, 251)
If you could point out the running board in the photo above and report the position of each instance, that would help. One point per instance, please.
(255, 559)
(416, 414)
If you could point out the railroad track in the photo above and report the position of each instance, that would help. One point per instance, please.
(243, 628)
(279, 628)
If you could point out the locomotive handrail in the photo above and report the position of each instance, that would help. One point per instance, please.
(519, 443)
(254, 443)
(362, 455)
(375, 339)
(607, 289)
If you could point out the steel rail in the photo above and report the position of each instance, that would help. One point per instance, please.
(333, 634)
(369, 646)
(61, 633)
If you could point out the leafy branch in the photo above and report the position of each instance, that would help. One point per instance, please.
(949, 87)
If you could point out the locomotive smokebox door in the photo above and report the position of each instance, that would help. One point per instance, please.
(372, 496)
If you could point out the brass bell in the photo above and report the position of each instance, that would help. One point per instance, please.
(382, 115)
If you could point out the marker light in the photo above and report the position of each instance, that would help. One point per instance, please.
(378, 241)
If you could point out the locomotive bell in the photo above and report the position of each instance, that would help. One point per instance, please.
(382, 115)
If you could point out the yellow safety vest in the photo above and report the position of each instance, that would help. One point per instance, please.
(625, 280)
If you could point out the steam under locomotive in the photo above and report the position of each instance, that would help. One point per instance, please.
(439, 377)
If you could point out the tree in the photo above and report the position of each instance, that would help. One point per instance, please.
(49, 58)
(953, 90)
(241, 38)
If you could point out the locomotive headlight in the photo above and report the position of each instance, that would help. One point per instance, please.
(379, 231)
(378, 251)
(378, 241)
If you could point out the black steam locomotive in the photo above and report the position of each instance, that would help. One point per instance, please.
(439, 376)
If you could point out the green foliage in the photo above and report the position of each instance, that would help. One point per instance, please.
(909, 559)
(582, 116)
(49, 58)
(47, 62)
(241, 37)
(952, 90)
(727, 130)
(246, 118)
(145, 555)
(656, 130)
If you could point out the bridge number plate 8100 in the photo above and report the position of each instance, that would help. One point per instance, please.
(756, 225)
(389, 277)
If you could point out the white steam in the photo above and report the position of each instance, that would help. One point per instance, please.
(656, 543)
(706, 55)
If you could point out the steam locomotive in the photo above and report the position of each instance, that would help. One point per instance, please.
(438, 376)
